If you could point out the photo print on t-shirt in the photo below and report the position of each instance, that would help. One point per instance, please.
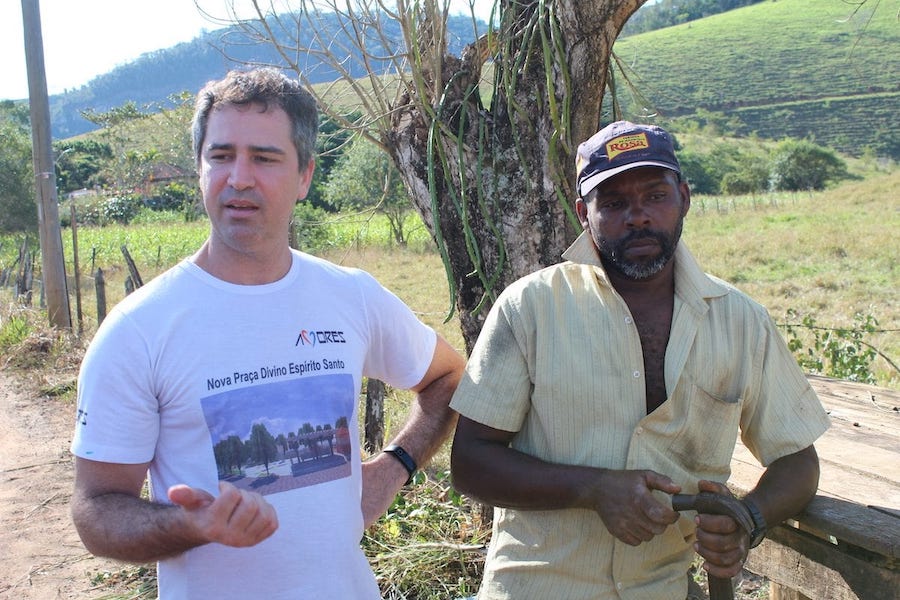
(279, 436)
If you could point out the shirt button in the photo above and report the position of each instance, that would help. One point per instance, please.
(637, 374)
(619, 585)
(628, 320)
(639, 430)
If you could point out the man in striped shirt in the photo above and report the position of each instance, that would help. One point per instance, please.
(602, 385)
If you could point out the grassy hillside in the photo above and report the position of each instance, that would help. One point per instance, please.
(802, 68)
(155, 76)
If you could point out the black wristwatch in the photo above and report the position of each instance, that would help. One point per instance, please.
(405, 459)
(759, 523)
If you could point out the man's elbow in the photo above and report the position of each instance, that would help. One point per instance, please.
(464, 470)
(87, 524)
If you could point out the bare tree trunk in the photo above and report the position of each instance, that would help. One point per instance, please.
(496, 186)
(374, 421)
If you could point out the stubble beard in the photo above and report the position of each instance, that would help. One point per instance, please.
(612, 252)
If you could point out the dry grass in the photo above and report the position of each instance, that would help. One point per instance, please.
(829, 255)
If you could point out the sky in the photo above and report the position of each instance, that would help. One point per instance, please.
(86, 38)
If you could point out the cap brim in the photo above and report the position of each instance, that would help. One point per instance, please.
(589, 183)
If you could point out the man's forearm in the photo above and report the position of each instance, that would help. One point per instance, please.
(130, 529)
(430, 420)
(787, 486)
(501, 476)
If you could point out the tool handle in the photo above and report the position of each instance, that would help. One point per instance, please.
(720, 588)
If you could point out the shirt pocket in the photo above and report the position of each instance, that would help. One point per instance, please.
(705, 440)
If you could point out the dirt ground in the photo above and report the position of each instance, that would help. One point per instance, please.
(41, 557)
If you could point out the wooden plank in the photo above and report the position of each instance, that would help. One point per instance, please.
(819, 569)
(858, 502)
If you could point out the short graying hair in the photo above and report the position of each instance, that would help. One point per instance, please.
(265, 87)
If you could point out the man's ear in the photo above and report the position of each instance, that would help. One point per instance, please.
(685, 197)
(306, 176)
(581, 211)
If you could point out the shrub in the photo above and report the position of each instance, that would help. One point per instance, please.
(309, 228)
(121, 209)
(173, 196)
(840, 353)
(802, 165)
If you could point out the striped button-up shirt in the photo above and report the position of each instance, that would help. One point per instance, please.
(559, 362)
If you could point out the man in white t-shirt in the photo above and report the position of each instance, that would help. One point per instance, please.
(233, 380)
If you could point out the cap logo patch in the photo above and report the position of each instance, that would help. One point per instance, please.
(626, 143)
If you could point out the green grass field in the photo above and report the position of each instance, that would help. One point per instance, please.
(829, 256)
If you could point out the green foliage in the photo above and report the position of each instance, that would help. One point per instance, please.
(751, 177)
(17, 201)
(153, 245)
(667, 13)
(121, 209)
(176, 195)
(78, 164)
(748, 166)
(119, 127)
(839, 353)
(800, 165)
(365, 178)
(13, 330)
(308, 226)
(330, 146)
(100, 210)
(701, 171)
(429, 545)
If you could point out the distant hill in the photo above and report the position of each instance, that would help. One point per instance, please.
(786, 68)
(776, 69)
(155, 76)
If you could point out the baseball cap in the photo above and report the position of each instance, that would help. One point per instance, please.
(621, 146)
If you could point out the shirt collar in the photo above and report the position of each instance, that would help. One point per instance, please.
(691, 283)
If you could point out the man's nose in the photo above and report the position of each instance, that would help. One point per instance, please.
(240, 177)
(636, 215)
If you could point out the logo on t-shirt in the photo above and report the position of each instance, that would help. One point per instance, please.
(308, 337)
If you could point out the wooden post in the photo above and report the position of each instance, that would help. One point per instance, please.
(100, 291)
(374, 424)
(25, 277)
(53, 268)
(136, 280)
(78, 313)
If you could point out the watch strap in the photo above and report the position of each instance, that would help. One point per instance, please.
(405, 459)
(759, 523)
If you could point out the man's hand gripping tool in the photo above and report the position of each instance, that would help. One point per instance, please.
(719, 504)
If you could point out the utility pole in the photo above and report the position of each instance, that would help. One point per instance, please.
(53, 266)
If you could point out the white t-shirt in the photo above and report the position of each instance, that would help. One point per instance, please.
(258, 385)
